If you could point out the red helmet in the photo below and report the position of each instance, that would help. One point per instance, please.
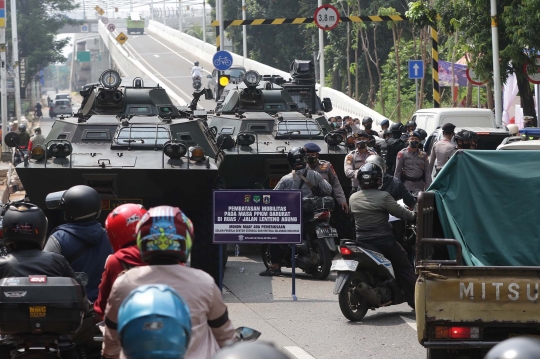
(121, 222)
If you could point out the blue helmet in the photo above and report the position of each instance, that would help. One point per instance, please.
(154, 321)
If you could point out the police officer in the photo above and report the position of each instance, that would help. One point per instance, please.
(327, 172)
(355, 159)
(410, 126)
(412, 166)
(385, 125)
(442, 150)
(367, 122)
(393, 145)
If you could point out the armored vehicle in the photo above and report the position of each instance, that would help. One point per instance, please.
(130, 143)
(260, 120)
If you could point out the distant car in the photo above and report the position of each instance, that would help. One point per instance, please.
(235, 72)
(521, 145)
(63, 107)
(62, 96)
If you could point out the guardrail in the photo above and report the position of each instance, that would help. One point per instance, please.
(343, 104)
(127, 65)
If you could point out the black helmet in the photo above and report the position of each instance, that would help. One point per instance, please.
(22, 127)
(295, 157)
(387, 132)
(370, 175)
(259, 350)
(411, 124)
(367, 120)
(396, 127)
(516, 348)
(26, 224)
(422, 133)
(196, 63)
(465, 135)
(81, 204)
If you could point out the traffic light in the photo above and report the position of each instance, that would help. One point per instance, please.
(223, 80)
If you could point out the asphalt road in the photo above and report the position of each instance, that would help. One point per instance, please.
(313, 326)
(169, 64)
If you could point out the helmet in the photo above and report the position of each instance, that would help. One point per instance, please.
(121, 222)
(385, 122)
(366, 120)
(297, 156)
(154, 321)
(81, 203)
(164, 232)
(396, 127)
(513, 129)
(377, 160)
(24, 223)
(387, 132)
(361, 134)
(370, 176)
(516, 348)
(411, 124)
(465, 135)
(196, 63)
(22, 127)
(422, 133)
(259, 350)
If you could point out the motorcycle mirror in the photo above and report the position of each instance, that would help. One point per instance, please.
(12, 139)
(245, 334)
(54, 200)
(208, 76)
(82, 277)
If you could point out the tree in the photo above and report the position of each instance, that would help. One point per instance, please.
(38, 21)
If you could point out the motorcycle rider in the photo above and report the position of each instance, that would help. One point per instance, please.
(392, 184)
(25, 137)
(442, 150)
(356, 158)
(516, 348)
(164, 238)
(120, 226)
(465, 140)
(367, 122)
(253, 350)
(393, 146)
(310, 182)
(168, 338)
(327, 172)
(82, 240)
(196, 70)
(371, 208)
(412, 166)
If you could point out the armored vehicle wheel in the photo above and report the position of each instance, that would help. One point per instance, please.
(353, 306)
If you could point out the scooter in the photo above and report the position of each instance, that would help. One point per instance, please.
(52, 114)
(314, 255)
(365, 280)
(197, 83)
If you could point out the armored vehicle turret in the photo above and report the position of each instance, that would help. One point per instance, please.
(130, 143)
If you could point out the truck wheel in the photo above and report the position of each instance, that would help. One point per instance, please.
(353, 306)
(322, 271)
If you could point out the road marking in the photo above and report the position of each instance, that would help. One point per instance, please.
(156, 55)
(299, 353)
(174, 52)
(409, 321)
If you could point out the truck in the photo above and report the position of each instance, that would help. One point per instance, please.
(476, 256)
(135, 23)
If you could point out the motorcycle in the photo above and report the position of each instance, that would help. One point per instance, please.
(52, 114)
(314, 255)
(197, 83)
(365, 280)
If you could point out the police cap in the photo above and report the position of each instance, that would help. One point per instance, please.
(312, 147)
(448, 127)
(415, 134)
(385, 122)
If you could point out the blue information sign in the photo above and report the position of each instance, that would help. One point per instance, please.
(416, 69)
(252, 216)
(222, 60)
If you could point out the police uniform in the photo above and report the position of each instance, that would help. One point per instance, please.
(353, 161)
(327, 172)
(412, 168)
(440, 153)
(293, 181)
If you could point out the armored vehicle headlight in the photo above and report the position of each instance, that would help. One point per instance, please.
(333, 139)
(197, 154)
(175, 149)
(110, 79)
(252, 78)
(245, 139)
(60, 149)
(38, 153)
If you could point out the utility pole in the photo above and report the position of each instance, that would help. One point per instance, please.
(321, 53)
(130, 6)
(204, 20)
(16, 77)
(164, 11)
(496, 64)
(180, 15)
(84, 10)
(3, 85)
(221, 29)
(244, 31)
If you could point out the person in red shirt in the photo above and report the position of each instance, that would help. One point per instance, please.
(120, 226)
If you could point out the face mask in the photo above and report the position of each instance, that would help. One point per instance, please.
(367, 126)
(465, 146)
(414, 144)
(312, 160)
(361, 145)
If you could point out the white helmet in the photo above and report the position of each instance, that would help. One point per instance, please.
(513, 129)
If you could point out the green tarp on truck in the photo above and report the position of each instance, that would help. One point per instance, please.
(490, 202)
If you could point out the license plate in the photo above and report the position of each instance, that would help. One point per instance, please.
(326, 232)
(347, 265)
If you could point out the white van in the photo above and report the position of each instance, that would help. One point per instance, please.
(430, 119)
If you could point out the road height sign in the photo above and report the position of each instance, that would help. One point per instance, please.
(111, 27)
(533, 75)
(416, 69)
(473, 77)
(326, 17)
